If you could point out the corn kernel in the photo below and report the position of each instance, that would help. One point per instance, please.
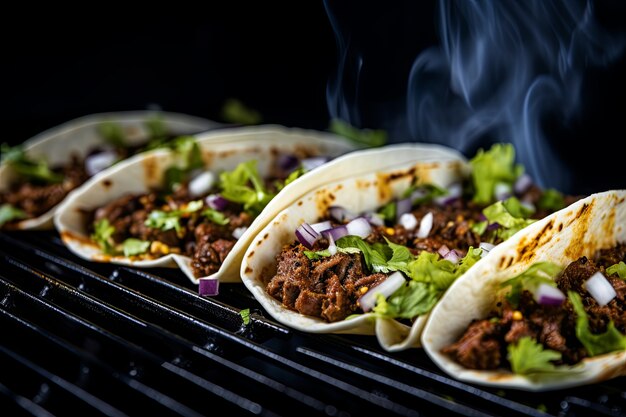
(517, 315)
(363, 290)
(390, 231)
(158, 247)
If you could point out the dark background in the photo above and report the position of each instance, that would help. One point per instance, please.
(277, 58)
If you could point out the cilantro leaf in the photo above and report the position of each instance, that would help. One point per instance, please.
(102, 235)
(491, 167)
(8, 213)
(216, 217)
(245, 316)
(132, 246)
(167, 220)
(528, 356)
(234, 111)
(367, 137)
(31, 169)
(619, 269)
(537, 274)
(388, 212)
(596, 344)
(189, 151)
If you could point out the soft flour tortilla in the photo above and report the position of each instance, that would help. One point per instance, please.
(78, 136)
(221, 150)
(598, 221)
(358, 194)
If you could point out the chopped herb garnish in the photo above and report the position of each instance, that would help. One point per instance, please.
(528, 357)
(215, 216)
(132, 246)
(112, 133)
(537, 274)
(244, 185)
(234, 111)
(167, 220)
(8, 213)
(551, 199)
(245, 316)
(29, 168)
(102, 235)
(619, 269)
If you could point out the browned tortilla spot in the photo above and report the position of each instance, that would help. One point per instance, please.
(107, 183)
(560, 227)
(300, 203)
(68, 236)
(339, 187)
(500, 376)
(577, 245)
(250, 254)
(265, 236)
(151, 168)
(248, 270)
(610, 372)
(331, 196)
(207, 157)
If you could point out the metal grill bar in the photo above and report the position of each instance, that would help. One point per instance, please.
(73, 327)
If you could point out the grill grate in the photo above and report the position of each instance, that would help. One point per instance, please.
(104, 339)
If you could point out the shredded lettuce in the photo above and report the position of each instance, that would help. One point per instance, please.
(537, 274)
(551, 199)
(102, 235)
(497, 165)
(167, 220)
(236, 187)
(596, 344)
(132, 246)
(245, 316)
(388, 212)
(294, 175)
(367, 137)
(234, 111)
(510, 214)
(619, 269)
(112, 133)
(29, 168)
(428, 193)
(8, 213)
(528, 357)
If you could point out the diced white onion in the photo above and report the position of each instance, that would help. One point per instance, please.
(443, 250)
(600, 289)
(201, 184)
(522, 184)
(454, 191)
(548, 295)
(386, 288)
(239, 231)
(321, 226)
(359, 227)
(99, 162)
(408, 221)
(528, 205)
(311, 163)
(425, 225)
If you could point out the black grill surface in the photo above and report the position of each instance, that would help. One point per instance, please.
(82, 338)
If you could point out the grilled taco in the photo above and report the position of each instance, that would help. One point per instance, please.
(547, 308)
(194, 206)
(373, 253)
(37, 176)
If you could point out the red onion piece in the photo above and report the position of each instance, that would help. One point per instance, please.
(340, 214)
(493, 226)
(99, 162)
(454, 193)
(208, 287)
(201, 183)
(216, 202)
(600, 289)
(403, 206)
(452, 256)
(426, 224)
(311, 163)
(306, 235)
(335, 233)
(359, 227)
(522, 184)
(386, 288)
(548, 295)
(288, 162)
(443, 250)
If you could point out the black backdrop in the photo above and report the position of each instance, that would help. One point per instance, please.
(275, 57)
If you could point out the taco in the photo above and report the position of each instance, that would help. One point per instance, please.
(36, 176)
(347, 248)
(193, 206)
(546, 310)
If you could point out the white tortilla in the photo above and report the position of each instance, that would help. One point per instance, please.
(598, 221)
(221, 150)
(78, 136)
(358, 194)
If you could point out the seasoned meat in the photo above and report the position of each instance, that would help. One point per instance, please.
(479, 347)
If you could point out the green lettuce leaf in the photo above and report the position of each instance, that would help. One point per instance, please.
(29, 168)
(112, 133)
(245, 316)
(132, 246)
(596, 344)
(167, 220)
(619, 269)
(367, 137)
(8, 213)
(528, 357)
(216, 217)
(157, 128)
(537, 274)
(551, 200)
(102, 235)
(492, 167)
(510, 215)
(244, 185)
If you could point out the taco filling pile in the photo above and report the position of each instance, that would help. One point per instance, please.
(196, 212)
(40, 187)
(398, 260)
(548, 317)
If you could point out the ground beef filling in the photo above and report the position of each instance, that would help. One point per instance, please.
(484, 343)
